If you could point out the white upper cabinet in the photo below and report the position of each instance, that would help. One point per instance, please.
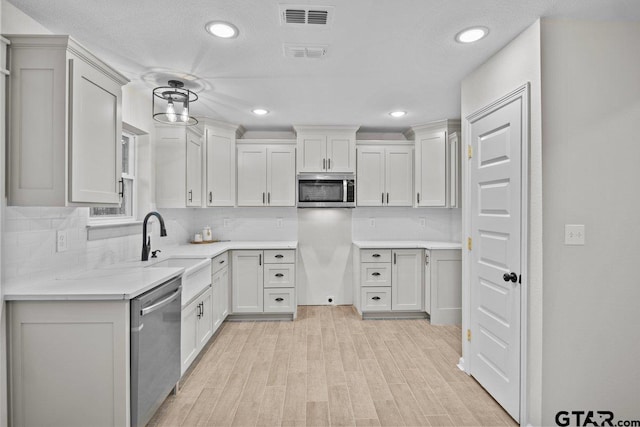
(178, 167)
(385, 175)
(65, 121)
(323, 149)
(220, 163)
(266, 175)
(437, 164)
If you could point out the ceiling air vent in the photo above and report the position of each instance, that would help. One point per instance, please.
(305, 51)
(305, 15)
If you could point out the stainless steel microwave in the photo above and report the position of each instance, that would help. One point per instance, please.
(326, 191)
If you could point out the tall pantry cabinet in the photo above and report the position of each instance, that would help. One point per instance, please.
(65, 124)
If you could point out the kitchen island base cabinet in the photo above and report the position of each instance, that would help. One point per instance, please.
(69, 363)
(443, 286)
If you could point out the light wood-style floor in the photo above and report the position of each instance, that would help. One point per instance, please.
(331, 368)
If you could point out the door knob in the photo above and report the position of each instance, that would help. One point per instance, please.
(510, 277)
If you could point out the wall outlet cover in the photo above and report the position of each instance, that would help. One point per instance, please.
(574, 234)
(62, 241)
(372, 222)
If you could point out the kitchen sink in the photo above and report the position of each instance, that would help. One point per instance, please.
(187, 263)
(196, 276)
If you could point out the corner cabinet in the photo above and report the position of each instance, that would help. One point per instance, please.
(326, 149)
(437, 164)
(220, 162)
(385, 175)
(65, 124)
(266, 175)
(179, 152)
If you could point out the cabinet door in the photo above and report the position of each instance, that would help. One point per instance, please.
(221, 172)
(224, 293)
(312, 153)
(446, 287)
(95, 149)
(399, 176)
(216, 296)
(406, 280)
(252, 172)
(247, 279)
(189, 335)
(281, 176)
(194, 169)
(206, 319)
(341, 154)
(431, 173)
(427, 281)
(370, 187)
(454, 170)
(171, 158)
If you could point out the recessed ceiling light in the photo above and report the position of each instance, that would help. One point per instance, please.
(472, 34)
(397, 113)
(260, 111)
(222, 29)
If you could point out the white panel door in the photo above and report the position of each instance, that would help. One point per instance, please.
(454, 170)
(94, 135)
(194, 169)
(189, 335)
(312, 153)
(370, 187)
(221, 171)
(216, 296)
(224, 293)
(399, 176)
(247, 281)
(495, 178)
(406, 280)
(252, 173)
(340, 154)
(206, 318)
(432, 174)
(281, 175)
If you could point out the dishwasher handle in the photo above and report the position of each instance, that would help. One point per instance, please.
(162, 303)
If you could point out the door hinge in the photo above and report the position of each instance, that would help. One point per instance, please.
(469, 243)
(469, 151)
(468, 334)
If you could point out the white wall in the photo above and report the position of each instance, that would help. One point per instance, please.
(591, 152)
(514, 65)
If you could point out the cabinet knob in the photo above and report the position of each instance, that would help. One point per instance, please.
(279, 275)
(279, 299)
(375, 298)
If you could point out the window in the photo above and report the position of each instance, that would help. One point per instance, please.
(126, 210)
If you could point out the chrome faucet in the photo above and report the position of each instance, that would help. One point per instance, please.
(146, 241)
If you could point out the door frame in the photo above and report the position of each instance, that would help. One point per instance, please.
(521, 93)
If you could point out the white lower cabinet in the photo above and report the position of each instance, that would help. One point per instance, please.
(443, 286)
(391, 280)
(263, 281)
(220, 287)
(197, 327)
(69, 363)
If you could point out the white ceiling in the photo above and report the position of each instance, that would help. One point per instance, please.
(383, 55)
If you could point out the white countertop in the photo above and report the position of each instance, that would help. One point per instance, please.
(406, 244)
(125, 280)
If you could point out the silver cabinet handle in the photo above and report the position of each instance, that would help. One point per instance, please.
(162, 303)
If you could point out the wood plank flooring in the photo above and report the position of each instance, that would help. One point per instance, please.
(329, 368)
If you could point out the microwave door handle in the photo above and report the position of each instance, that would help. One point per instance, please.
(344, 190)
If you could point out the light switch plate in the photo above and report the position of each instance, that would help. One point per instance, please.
(62, 243)
(423, 222)
(372, 222)
(574, 234)
(278, 222)
(226, 222)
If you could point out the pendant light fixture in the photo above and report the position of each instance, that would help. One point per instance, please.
(175, 108)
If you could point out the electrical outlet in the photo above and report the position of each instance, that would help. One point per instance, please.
(226, 222)
(574, 234)
(372, 222)
(423, 222)
(62, 238)
(278, 222)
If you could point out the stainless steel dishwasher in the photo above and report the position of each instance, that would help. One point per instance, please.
(155, 348)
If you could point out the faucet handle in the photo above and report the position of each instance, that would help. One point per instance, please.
(153, 253)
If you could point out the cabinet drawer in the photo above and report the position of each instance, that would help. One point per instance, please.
(279, 276)
(375, 274)
(220, 262)
(280, 257)
(375, 255)
(279, 300)
(376, 299)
